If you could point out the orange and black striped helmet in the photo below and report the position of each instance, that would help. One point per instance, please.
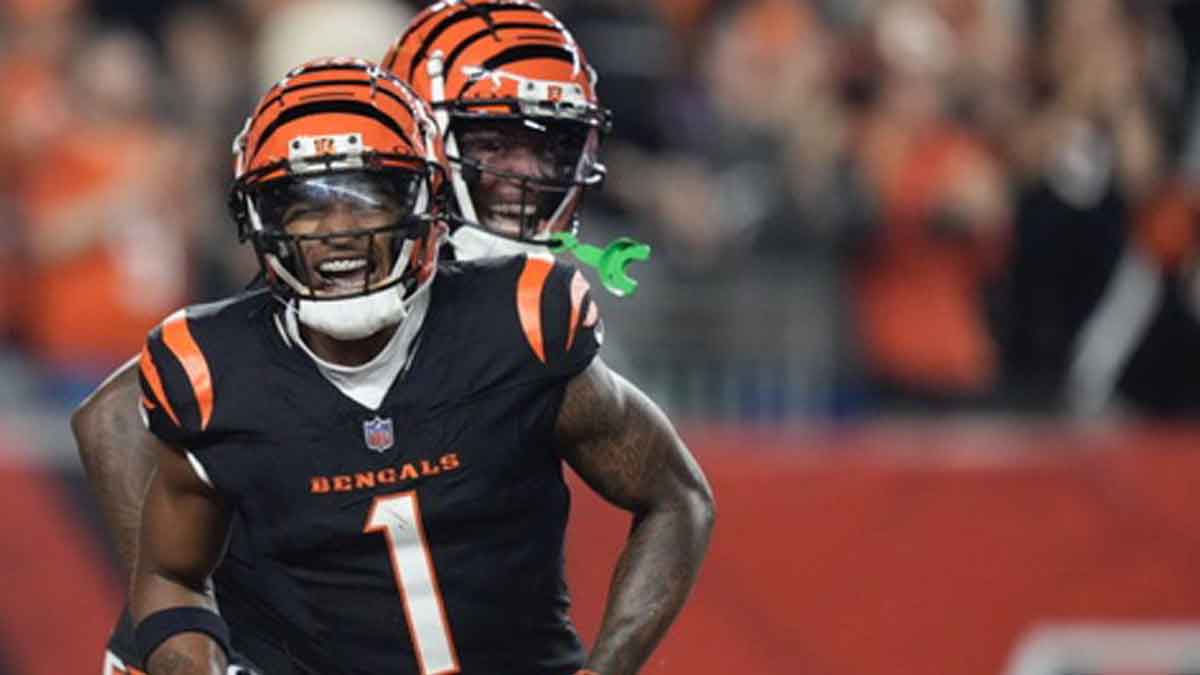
(341, 129)
(508, 65)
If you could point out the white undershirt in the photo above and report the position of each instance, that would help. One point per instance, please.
(370, 382)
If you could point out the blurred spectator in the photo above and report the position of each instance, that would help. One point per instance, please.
(108, 207)
(640, 65)
(295, 31)
(986, 80)
(756, 156)
(748, 196)
(1090, 154)
(205, 47)
(37, 38)
(1138, 349)
(943, 224)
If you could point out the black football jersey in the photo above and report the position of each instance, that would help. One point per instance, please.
(421, 538)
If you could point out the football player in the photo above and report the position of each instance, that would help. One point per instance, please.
(506, 198)
(391, 430)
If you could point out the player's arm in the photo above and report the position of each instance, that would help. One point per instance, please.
(118, 454)
(185, 525)
(624, 447)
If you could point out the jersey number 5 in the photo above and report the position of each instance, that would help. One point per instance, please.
(398, 517)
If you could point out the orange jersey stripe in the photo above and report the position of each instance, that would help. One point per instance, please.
(178, 338)
(529, 301)
(579, 288)
(593, 315)
(150, 372)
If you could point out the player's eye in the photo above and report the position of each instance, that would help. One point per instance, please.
(374, 211)
(300, 212)
(483, 143)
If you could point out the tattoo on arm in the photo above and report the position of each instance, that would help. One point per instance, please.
(181, 656)
(167, 661)
(118, 455)
(623, 446)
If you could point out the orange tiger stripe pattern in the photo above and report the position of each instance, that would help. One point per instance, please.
(324, 98)
(530, 288)
(178, 338)
(150, 374)
(579, 289)
(513, 36)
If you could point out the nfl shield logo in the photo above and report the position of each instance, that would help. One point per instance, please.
(378, 434)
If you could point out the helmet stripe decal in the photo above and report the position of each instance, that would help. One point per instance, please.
(333, 83)
(454, 19)
(307, 71)
(529, 52)
(348, 107)
(462, 46)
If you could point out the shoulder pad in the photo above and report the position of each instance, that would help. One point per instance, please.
(560, 320)
(177, 392)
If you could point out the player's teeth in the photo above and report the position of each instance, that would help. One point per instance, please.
(350, 265)
(514, 210)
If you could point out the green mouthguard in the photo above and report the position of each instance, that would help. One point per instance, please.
(610, 262)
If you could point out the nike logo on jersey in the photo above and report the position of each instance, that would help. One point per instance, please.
(393, 475)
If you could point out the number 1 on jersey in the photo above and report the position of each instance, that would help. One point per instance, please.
(398, 516)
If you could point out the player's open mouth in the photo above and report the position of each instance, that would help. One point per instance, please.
(513, 210)
(343, 274)
(509, 218)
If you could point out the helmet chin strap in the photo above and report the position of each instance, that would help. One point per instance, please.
(362, 316)
(473, 243)
(353, 318)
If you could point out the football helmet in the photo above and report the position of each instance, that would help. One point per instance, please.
(506, 78)
(339, 183)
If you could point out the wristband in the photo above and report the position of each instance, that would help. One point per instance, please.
(163, 625)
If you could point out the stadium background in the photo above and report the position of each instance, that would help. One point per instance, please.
(924, 300)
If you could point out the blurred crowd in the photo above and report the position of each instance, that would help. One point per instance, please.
(857, 207)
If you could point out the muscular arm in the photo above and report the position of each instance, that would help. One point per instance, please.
(118, 454)
(622, 445)
(184, 528)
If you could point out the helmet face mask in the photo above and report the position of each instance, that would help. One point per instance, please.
(525, 177)
(343, 234)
